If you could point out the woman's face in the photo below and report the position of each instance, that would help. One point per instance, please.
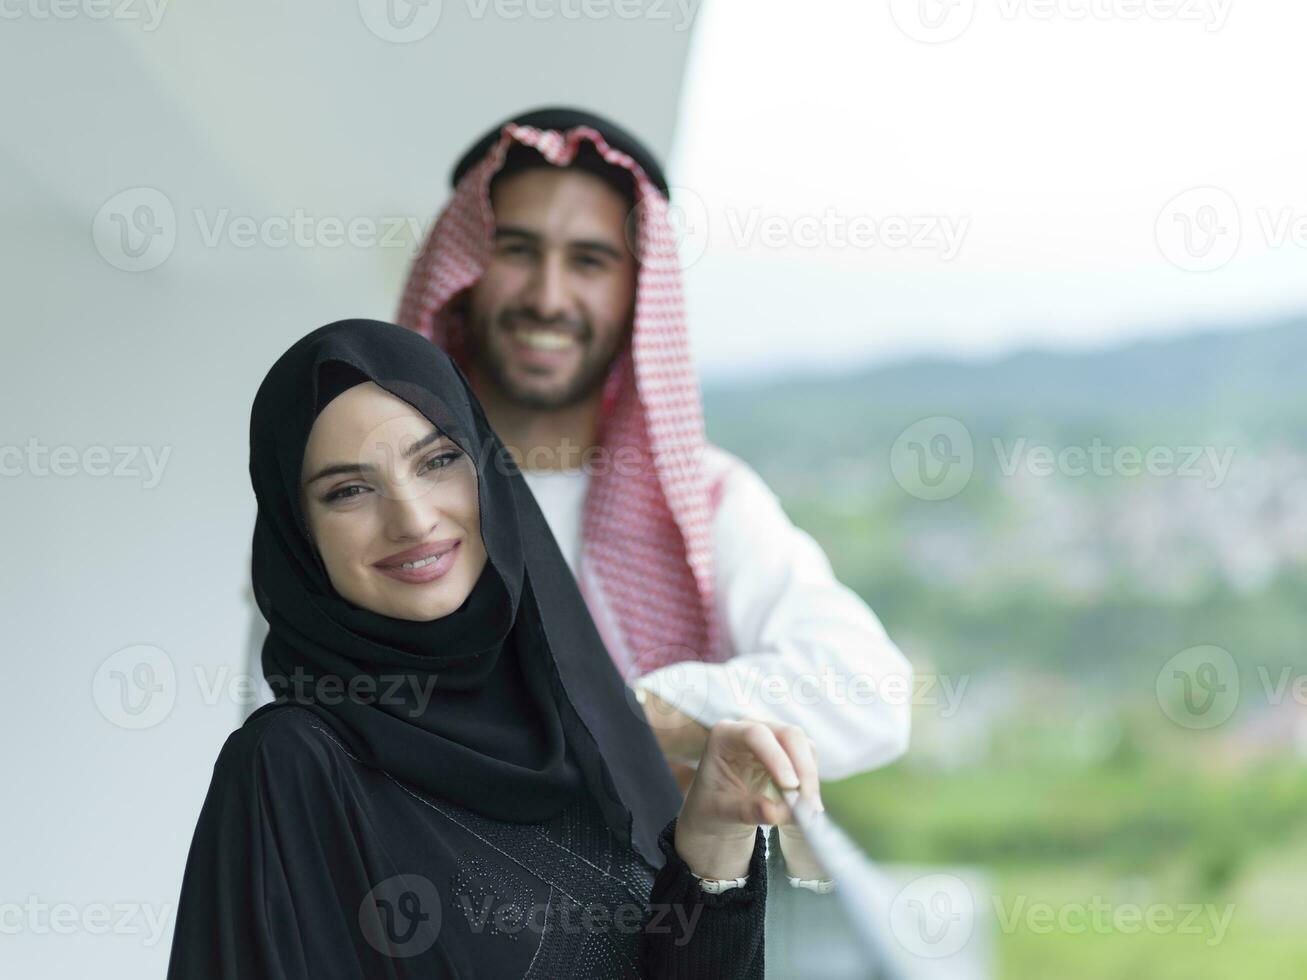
(392, 507)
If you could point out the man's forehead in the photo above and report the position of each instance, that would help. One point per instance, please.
(560, 203)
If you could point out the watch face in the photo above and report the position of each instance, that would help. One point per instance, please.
(715, 886)
(821, 886)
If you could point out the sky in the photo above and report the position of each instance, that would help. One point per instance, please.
(872, 181)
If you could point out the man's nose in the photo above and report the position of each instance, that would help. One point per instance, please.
(548, 294)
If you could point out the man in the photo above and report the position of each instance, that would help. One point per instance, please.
(551, 277)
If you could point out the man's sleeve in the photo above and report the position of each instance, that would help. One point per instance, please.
(807, 650)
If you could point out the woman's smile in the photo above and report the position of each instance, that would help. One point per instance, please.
(422, 564)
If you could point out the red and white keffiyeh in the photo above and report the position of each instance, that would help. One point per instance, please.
(646, 528)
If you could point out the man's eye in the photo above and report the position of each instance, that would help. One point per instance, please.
(589, 262)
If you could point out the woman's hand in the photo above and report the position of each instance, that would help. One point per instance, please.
(728, 798)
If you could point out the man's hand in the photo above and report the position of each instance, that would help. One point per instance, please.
(681, 738)
(799, 859)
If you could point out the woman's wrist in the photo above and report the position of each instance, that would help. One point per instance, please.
(715, 855)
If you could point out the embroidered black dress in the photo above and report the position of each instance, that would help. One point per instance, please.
(308, 864)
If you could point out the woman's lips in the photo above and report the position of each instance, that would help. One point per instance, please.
(424, 573)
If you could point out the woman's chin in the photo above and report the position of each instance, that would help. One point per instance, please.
(420, 608)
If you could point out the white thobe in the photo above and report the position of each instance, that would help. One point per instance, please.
(803, 648)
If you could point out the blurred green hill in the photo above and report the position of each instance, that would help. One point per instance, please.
(1097, 577)
(1050, 601)
(1249, 379)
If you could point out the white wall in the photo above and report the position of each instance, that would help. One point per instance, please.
(231, 108)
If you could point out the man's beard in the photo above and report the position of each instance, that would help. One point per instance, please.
(485, 338)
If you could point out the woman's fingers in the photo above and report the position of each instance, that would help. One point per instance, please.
(760, 739)
(784, 752)
(739, 758)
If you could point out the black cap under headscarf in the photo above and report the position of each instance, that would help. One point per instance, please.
(526, 708)
(563, 118)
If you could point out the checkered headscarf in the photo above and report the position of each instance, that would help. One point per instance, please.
(646, 530)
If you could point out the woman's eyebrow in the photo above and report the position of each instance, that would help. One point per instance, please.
(341, 469)
(435, 435)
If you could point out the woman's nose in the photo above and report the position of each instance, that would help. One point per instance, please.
(411, 514)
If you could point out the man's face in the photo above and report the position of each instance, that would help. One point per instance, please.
(554, 306)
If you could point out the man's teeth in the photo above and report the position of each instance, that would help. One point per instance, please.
(543, 339)
(423, 563)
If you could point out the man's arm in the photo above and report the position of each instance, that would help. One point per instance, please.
(808, 650)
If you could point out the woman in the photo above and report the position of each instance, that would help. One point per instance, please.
(453, 781)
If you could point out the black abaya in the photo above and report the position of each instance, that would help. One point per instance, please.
(504, 812)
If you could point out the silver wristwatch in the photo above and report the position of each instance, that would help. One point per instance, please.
(715, 886)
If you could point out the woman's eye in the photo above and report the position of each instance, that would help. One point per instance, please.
(439, 461)
(343, 493)
(432, 464)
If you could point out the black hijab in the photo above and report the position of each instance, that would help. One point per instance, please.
(508, 706)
